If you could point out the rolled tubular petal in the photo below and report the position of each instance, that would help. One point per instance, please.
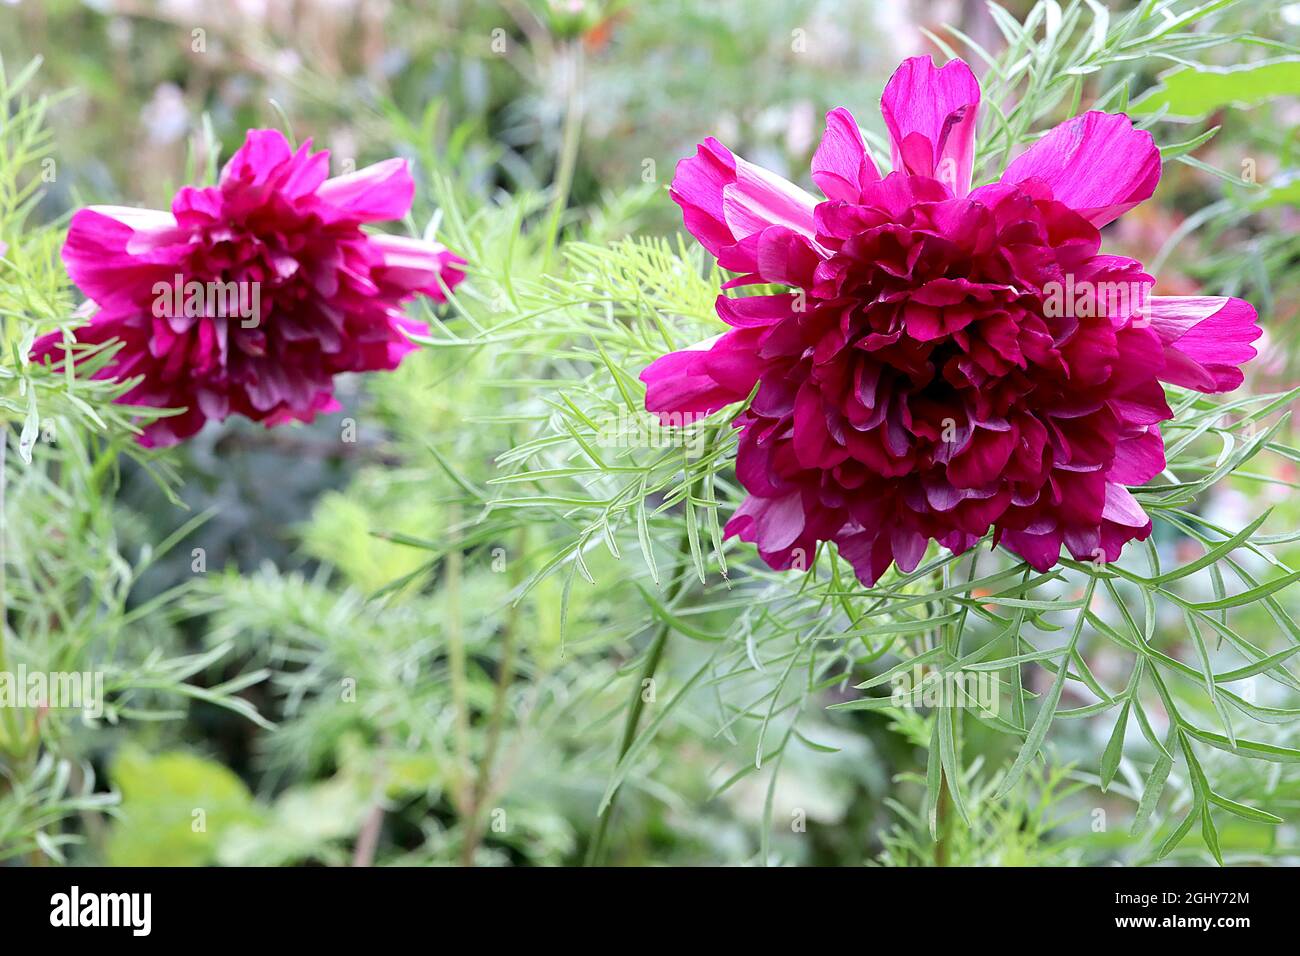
(931, 113)
(703, 379)
(1205, 339)
(414, 265)
(842, 166)
(727, 203)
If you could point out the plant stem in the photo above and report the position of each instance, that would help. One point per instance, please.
(637, 704)
(943, 804)
(505, 677)
(4, 540)
(456, 661)
(483, 783)
(571, 135)
(368, 841)
(9, 731)
(942, 815)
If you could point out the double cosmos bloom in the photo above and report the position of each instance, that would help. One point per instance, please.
(251, 295)
(934, 370)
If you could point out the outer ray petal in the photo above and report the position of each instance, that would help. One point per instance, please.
(728, 204)
(1097, 164)
(1206, 339)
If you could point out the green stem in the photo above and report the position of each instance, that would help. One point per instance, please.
(596, 848)
(456, 662)
(941, 820)
(10, 729)
(571, 136)
(944, 803)
(505, 677)
(4, 541)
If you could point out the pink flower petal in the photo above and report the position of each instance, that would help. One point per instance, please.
(1122, 508)
(726, 201)
(1205, 339)
(772, 523)
(931, 114)
(755, 311)
(115, 254)
(1041, 550)
(689, 380)
(842, 164)
(413, 265)
(1097, 164)
(258, 160)
(374, 194)
(304, 173)
(1138, 459)
(758, 199)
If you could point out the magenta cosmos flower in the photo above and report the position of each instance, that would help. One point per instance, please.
(251, 295)
(944, 361)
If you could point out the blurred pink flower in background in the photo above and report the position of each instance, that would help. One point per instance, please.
(917, 382)
(293, 290)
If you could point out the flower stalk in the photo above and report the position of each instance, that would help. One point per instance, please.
(596, 849)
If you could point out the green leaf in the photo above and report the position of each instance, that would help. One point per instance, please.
(1190, 92)
(1155, 785)
(1210, 833)
(1245, 597)
(933, 783)
(1115, 747)
(1175, 838)
(1244, 811)
(1213, 555)
(1174, 150)
(1245, 748)
(901, 668)
(1258, 667)
(643, 533)
(1005, 662)
(658, 609)
(1037, 733)
(865, 703)
(643, 739)
(1284, 192)
(176, 807)
(947, 717)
